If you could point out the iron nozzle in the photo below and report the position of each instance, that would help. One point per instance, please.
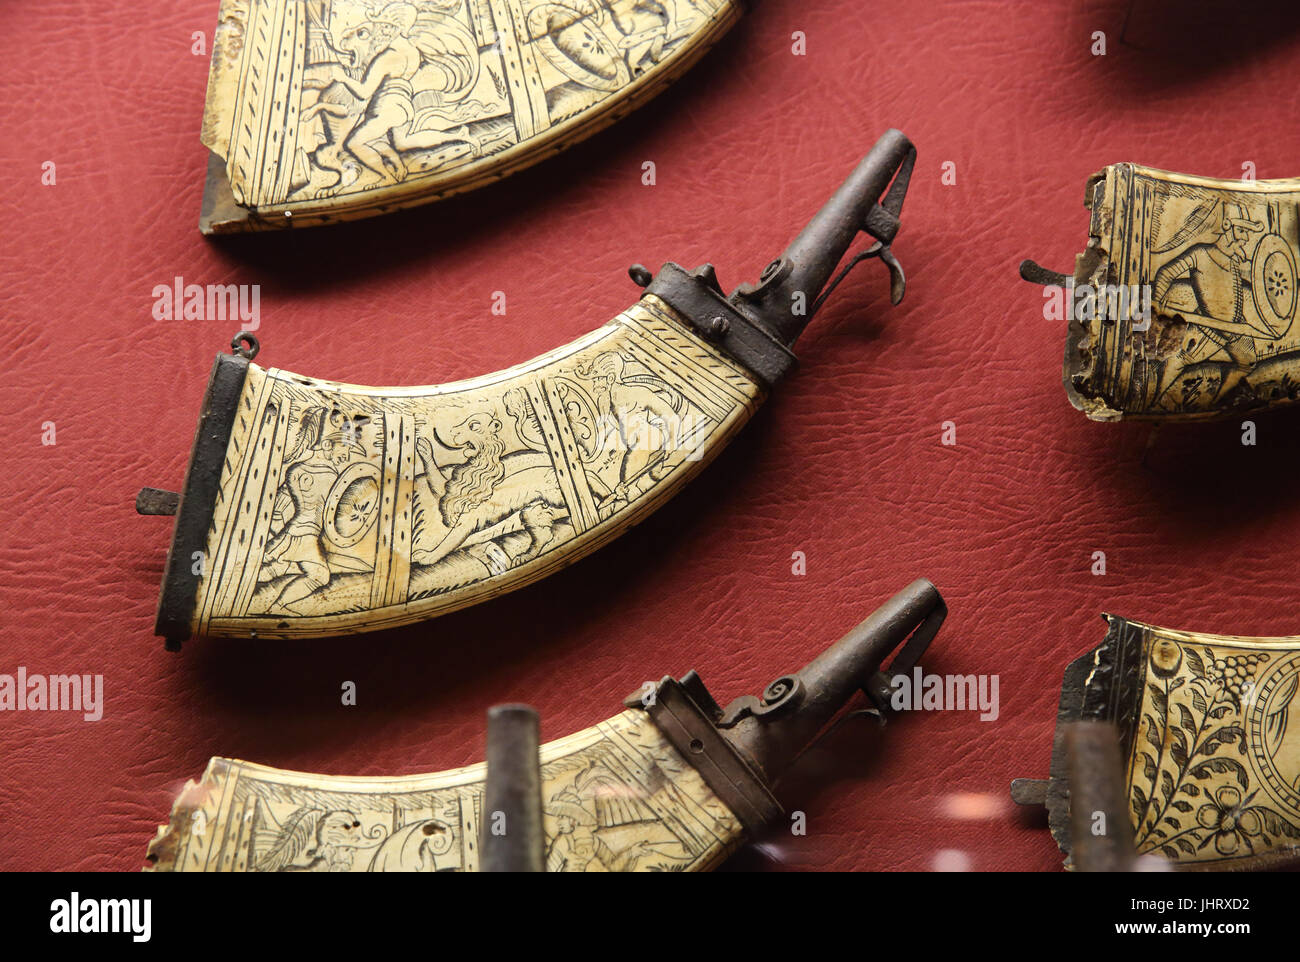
(741, 750)
(773, 730)
(870, 201)
(759, 323)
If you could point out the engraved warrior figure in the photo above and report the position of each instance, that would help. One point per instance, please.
(1217, 275)
(602, 44)
(576, 846)
(311, 840)
(409, 68)
(644, 26)
(298, 519)
(636, 419)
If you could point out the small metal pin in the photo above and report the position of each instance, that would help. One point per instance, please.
(1029, 791)
(1035, 273)
(156, 501)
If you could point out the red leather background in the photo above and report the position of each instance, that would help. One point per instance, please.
(844, 464)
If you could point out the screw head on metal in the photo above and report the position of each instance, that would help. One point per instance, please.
(716, 327)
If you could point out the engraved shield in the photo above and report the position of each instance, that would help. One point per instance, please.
(1273, 281)
(352, 504)
(576, 46)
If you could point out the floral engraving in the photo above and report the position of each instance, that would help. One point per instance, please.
(1193, 795)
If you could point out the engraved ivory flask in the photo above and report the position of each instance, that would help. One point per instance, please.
(673, 783)
(327, 110)
(1183, 304)
(1210, 756)
(313, 508)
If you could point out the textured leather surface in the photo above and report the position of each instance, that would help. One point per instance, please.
(845, 463)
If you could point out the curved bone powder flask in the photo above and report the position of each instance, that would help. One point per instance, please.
(1183, 304)
(313, 508)
(1209, 735)
(329, 110)
(673, 783)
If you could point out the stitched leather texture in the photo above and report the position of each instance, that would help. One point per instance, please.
(845, 463)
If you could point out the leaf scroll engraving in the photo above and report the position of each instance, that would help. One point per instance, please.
(1194, 794)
